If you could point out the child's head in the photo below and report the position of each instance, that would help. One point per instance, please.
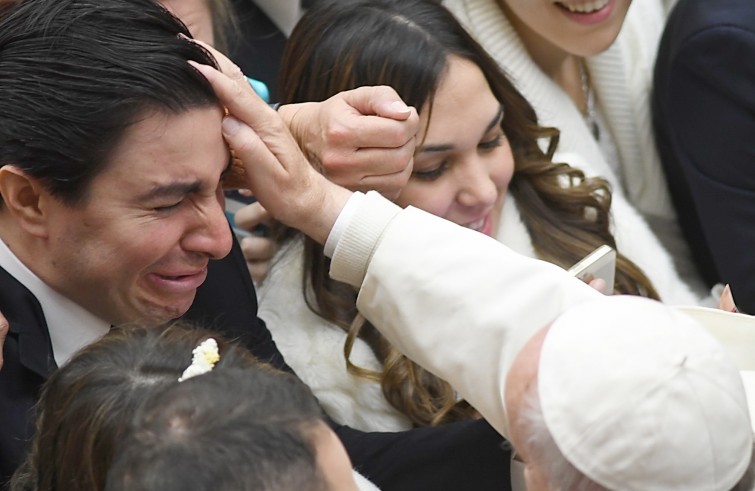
(235, 430)
(86, 406)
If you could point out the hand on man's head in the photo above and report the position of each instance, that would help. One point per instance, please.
(278, 173)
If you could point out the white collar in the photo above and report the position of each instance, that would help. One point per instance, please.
(71, 326)
(511, 229)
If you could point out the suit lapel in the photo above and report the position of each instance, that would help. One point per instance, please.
(27, 323)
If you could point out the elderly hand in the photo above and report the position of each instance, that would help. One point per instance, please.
(258, 251)
(726, 301)
(278, 173)
(4, 326)
(361, 139)
(598, 284)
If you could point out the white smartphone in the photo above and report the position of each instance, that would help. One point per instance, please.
(600, 263)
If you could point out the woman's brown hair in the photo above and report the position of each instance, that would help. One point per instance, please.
(406, 44)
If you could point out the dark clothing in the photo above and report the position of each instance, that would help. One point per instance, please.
(467, 455)
(704, 117)
(28, 362)
(257, 45)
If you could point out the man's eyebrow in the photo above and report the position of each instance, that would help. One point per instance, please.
(172, 190)
(444, 148)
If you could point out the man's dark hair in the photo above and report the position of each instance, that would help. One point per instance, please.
(228, 430)
(74, 74)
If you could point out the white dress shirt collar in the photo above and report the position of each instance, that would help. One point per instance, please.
(71, 326)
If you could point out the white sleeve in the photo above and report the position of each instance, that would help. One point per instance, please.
(455, 301)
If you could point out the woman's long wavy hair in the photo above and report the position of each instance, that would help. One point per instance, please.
(406, 44)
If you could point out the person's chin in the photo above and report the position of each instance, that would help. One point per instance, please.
(599, 43)
(166, 310)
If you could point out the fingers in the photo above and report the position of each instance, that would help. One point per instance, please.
(278, 174)
(354, 139)
(389, 185)
(371, 117)
(367, 162)
(267, 175)
(380, 101)
(241, 100)
(258, 252)
(599, 284)
(4, 326)
(726, 302)
(250, 216)
(226, 66)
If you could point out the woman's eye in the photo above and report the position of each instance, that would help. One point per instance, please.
(492, 143)
(431, 174)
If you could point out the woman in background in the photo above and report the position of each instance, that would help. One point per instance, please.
(586, 68)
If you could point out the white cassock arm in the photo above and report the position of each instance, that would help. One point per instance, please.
(455, 301)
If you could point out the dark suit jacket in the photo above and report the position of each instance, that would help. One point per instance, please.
(465, 455)
(704, 116)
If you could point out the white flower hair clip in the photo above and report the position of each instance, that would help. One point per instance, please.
(205, 357)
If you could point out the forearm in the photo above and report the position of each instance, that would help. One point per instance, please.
(457, 302)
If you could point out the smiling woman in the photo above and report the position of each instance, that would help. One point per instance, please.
(479, 162)
(586, 67)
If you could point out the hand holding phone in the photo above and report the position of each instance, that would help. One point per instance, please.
(599, 264)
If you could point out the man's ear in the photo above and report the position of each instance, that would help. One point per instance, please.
(25, 199)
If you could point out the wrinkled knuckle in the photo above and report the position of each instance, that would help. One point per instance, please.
(402, 133)
(335, 163)
(338, 134)
(237, 89)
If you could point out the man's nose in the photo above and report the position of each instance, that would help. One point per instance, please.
(211, 234)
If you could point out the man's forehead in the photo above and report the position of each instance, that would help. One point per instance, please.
(160, 147)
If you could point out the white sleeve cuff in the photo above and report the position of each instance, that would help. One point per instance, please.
(342, 222)
(359, 237)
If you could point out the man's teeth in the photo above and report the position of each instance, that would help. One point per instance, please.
(476, 225)
(585, 8)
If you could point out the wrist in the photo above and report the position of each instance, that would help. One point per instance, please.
(326, 211)
(299, 123)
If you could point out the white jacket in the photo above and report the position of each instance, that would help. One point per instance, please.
(425, 296)
(622, 78)
(313, 347)
(465, 317)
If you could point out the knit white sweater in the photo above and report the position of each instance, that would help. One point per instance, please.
(622, 78)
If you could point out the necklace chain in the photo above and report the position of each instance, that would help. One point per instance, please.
(589, 96)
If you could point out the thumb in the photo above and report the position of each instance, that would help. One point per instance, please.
(380, 101)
